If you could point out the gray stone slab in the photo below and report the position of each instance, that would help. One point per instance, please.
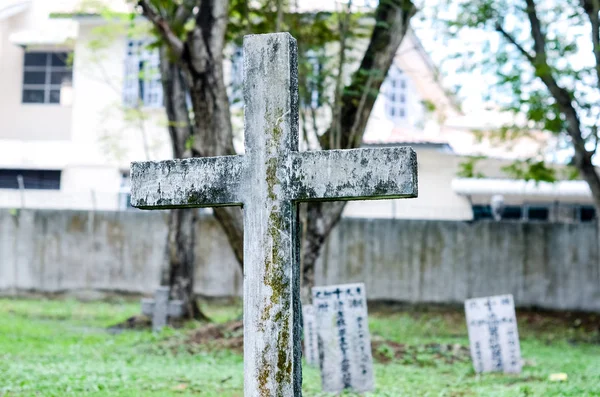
(269, 181)
(355, 174)
(193, 182)
(493, 334)
(309, 331)
(343, 336)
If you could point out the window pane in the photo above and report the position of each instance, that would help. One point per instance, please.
(55, 96)
(33, 96)
(35, 58)
(60, 59)
(587, 214)
(482, 212)
(511, 212)
(34, 78)
(60, 77)
(32, 179)
(538, 213)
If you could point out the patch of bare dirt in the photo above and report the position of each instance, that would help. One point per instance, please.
(386, 351)
(142, 322)
(231, 336)
(137, 322)
(225, 336)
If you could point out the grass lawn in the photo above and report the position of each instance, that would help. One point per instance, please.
(62, 347)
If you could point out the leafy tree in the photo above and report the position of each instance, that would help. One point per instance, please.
(192, 35)
(543, 58)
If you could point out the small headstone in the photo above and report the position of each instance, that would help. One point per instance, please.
(311, 351)
(343, 337)
(160, 308)
(493, 334)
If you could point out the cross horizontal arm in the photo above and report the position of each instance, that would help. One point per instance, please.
(355, 174)
(193, 182)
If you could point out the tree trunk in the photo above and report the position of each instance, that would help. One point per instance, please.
(392, 23)
(181, 271)
(321, 217)
(200, 57)
(213, 135)
(179, 275)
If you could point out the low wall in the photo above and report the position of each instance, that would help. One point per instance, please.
(54, 251)
(550, 265)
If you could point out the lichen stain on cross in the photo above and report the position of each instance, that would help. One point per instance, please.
(269, 181)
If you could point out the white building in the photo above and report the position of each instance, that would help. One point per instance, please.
(68, 132)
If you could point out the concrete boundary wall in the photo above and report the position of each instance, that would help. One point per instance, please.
(550, 265)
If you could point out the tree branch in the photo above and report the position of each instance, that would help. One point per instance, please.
(391, 25)
(512, 40)
(335, 134)
(539, 39)
(591, 8)
(564, 100)
(544, 72)
(184, 12)
(162, 26)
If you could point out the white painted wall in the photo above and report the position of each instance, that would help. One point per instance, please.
(436, 199)
(26, 121)
(90, 141)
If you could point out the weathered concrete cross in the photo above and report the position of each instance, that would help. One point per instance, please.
(269, 181)
(161, 308)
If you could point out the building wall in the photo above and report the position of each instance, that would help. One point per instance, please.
(437, 200)
(28, 121)
(92, 141)
(551, 265)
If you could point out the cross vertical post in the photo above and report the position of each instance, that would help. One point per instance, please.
(269, 181)
(272, 358)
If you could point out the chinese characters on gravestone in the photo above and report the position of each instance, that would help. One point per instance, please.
(493, 334)
(269, 181)
(343, 336)
(309, 329)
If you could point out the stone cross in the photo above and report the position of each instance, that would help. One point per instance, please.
(160, 308)
(343, 337)
(309, 329)
(493, 334)
(269, 181)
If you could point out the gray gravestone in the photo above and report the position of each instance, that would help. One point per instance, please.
(160, 308)
(493, 334)
(309, 329)
(343, 336)
(269, 181)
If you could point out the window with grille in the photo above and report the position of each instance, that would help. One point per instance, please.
(31, 179)
(142, 84)
(125, 192)
(237, 77)
(587, 213)
(45, 74)
(395, 94)
(314, 87)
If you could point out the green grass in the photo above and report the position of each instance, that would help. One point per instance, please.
(62, 348)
